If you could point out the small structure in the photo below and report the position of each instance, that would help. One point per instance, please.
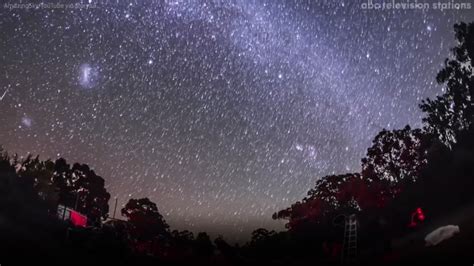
(67, 214)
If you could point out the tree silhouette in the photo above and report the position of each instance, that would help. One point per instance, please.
(453, 111)
(267, 244)
(228, 251)
(261, 235)
(203, 245)
(91, 194)
(39, 174)
(329, 189)
(396, 155)
(147, 222)
(26, 227)
(62, 178)
(81, 188)
(395, 159)
(185, 237)
(331, 193)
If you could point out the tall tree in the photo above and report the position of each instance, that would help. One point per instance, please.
(92, 197)
(148, 223)
(453, 111)
(80, 187)
(396, 155)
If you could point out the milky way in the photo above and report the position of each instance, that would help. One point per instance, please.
(222, 112)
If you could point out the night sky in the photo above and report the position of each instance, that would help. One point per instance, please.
(222, 112)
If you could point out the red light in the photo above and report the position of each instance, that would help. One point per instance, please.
(421, 217)
(78, 219)
(416, 216)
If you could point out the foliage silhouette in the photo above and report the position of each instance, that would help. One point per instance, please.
(147, 222)
(453, 111)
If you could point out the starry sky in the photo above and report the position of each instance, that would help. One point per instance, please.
(222, 112)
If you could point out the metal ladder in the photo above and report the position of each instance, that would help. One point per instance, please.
(349, 246)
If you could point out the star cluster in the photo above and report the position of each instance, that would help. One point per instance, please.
(222, 112)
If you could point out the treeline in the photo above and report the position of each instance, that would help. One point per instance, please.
(427, 172)
(31, 191)
(430, 169)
